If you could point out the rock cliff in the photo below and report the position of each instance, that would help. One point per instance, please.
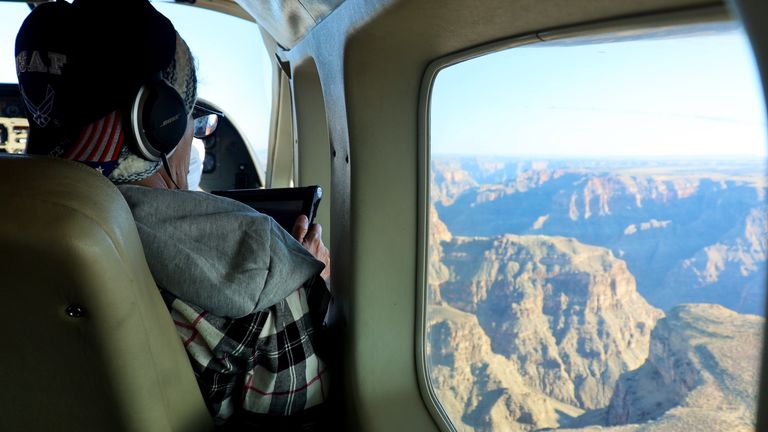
(479, 389)
(566, 316)
(701, 375)
(702, 357)
(541, 330)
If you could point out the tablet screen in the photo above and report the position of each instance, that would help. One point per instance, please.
(283, 204)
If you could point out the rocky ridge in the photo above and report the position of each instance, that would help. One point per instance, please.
(701, 374)
(482, 390)
(691, 232)
(567, 315)
(532, 332)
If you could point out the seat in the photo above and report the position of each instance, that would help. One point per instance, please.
(87, 342)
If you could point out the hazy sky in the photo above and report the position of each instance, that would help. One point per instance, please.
(669, 97)
(675, 96)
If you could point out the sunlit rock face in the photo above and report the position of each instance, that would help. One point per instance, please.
(702, 359)
(479, 389)
(555, 326)
(565, 341)
(565, 315)
(437, 273)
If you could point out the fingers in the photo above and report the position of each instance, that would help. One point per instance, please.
(311, 237)
(314, 234)
(300, 228)
(313, 242)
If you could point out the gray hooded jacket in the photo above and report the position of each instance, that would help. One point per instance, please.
(217, 253)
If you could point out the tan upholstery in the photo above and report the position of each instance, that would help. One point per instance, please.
(67, 238)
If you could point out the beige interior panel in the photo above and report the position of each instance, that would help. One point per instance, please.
(314, 149)
(281, 154)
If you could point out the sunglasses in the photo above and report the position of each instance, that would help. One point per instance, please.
(205, 120)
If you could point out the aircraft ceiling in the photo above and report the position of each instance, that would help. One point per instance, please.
(286, 20)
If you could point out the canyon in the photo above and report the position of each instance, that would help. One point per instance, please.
(619, 296)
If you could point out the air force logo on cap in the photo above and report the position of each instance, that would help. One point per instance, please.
(33, 63)
(41, 114)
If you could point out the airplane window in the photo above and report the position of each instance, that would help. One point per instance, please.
(13, 123)
(597, 234)
(234, 69)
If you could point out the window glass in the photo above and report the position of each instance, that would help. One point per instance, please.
(13, 14)
(13, 123)
(234, 69)
(597, 234)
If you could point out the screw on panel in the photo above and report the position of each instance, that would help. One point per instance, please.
(75, 311)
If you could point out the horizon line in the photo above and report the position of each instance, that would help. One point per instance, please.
(629, 157)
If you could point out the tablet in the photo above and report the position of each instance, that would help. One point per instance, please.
(283, 204)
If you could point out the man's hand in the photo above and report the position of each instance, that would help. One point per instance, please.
(311, 238)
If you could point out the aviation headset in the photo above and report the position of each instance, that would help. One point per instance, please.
(157, 122)
(157, 119)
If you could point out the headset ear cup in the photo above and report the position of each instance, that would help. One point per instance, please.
(158, 120)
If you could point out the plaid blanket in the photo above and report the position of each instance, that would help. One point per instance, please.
(263, 363)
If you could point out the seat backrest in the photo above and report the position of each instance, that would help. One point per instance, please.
(87, 343)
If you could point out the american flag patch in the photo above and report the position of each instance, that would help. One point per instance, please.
(99, 143)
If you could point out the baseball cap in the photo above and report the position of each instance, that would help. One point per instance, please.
(79, 62)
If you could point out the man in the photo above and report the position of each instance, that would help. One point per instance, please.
(245, 296)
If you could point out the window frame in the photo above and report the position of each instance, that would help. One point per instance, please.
(633, 25)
